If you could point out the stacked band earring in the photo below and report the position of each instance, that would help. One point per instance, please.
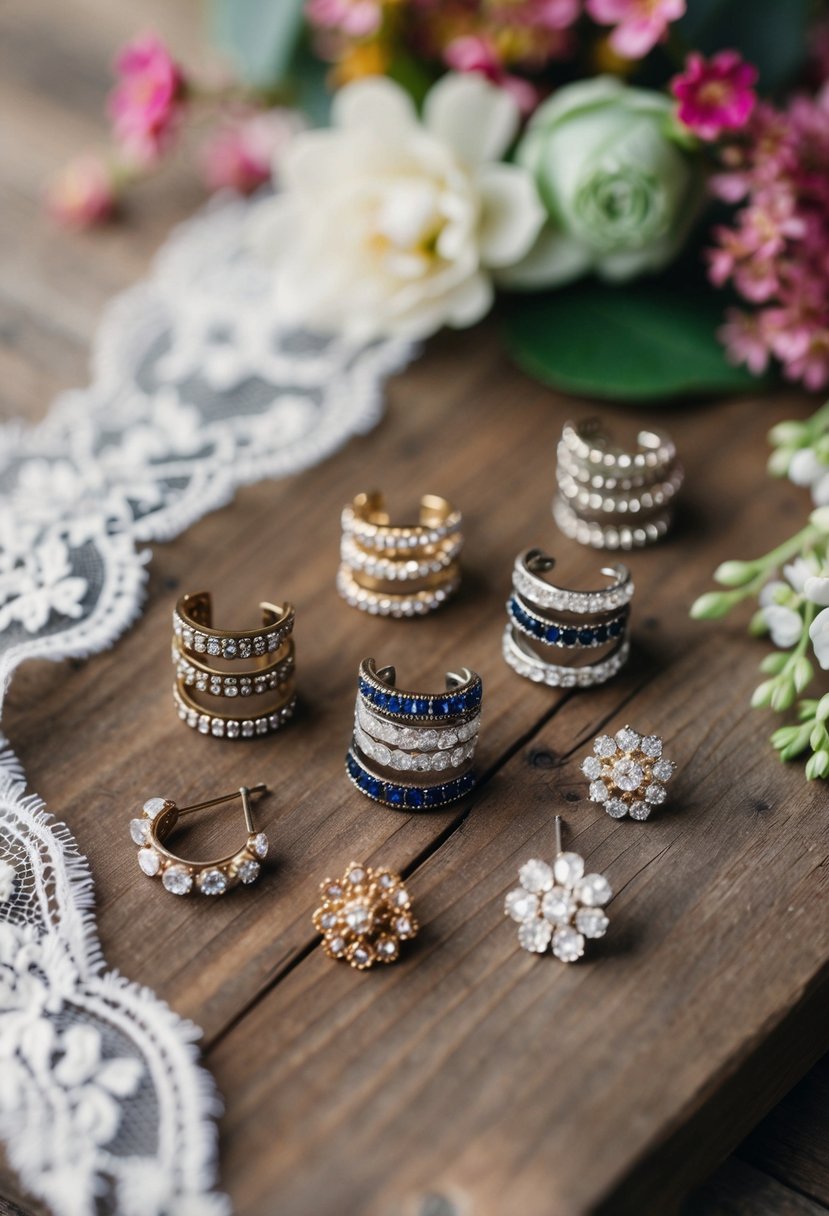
(399, 570)
(610, 498)
(545, 621)
(158, 820)
(558, 905)
(207, 664)
(410, 750)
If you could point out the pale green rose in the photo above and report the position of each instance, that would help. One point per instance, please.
(620, 191)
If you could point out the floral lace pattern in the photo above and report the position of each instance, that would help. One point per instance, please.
(198, 388)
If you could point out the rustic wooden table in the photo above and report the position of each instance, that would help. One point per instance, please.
(471, 1077)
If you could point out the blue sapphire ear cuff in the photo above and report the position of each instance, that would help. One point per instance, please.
(414, 751)
(545, 620)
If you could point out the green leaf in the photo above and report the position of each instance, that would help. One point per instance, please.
(260, 36)
(769, 33)
(643, 342)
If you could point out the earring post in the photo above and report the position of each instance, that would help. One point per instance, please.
(558, 835)
(259, 788)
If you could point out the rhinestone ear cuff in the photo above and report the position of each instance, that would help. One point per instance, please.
(558, 905)
(158, 820)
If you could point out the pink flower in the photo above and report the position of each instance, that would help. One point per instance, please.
(717, 95)
(242, 152)
(147, 102)
(640, 24)
(474, 53)
(82, 195)
(744, 342)
(355, 18)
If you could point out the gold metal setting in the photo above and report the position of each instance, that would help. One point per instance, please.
(364, 916)
(157, 822)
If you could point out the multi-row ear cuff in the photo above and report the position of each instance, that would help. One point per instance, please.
(610, 498)
(399, 571)
(547, 623)
(558, 905)
(410, 750)
(628, 773)
(157, 822)
(233, 684)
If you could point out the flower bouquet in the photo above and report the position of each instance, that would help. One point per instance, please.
(642, 185)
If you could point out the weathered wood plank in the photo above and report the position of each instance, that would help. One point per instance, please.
(737, 1189)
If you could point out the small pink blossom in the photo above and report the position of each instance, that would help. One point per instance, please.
(146, 103)
(639, 24)
(474, 53)
(743, 341)
(715, 95)
(354, 18)
(82, 195)
(242, 153)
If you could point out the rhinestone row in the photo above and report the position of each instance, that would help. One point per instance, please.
(535, 669)
(609, 536)
(415, 737)
(381, 603)
(221, 685)
(380, 536)
(262, 643)
(233, 728)
(582, 602)
(358, 560)
(422, 762)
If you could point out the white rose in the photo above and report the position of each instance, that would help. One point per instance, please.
(390, 226)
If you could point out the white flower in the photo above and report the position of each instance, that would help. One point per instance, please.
(819, 633)
(558, 904)
(806, 469)
(391, 226)
(784, 624)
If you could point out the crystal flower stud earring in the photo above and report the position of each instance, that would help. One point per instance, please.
(558, 905)
(364, 916)
(628, 773)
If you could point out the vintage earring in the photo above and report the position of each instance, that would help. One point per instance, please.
(628, 773)
(364, 916)
(158, 821)
(558, 905)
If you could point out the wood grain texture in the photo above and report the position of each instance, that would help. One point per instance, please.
(471, 1077)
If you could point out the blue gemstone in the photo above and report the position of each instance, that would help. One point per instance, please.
(353, 766)
(415, 798)
(393, 704)
(409, 705)
(395, 795)
(365, 688)
(570, 637)
(442, 705)
(431, 796)
(553, 633)
(380, 699)
(467, 781)
(614, 628)
(586, 637)
(475, 693)
(601, 633)
(421, 706)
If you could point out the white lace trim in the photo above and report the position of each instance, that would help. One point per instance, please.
(198, 388)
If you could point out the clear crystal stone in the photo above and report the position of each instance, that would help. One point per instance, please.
(534, 935)
(521, 905)
(259, 844)
(336, 945)
(639, 810)
(594, 891)
(249, 871)
(177, 880)
(591, 767)
(422, 763)
(652, 746)
(403, 926)
(558, 906)
(212, 882)
(140, 830)
(400, 898)
(616, 808)
(149, 861)
(663, 770)
(604, 746)
(328, 920)
(568, 944)
(153, 807)
(568, 869)
(429, 738)
(627, 774)
(655, 794)
(592, 922)
(361, 955)
(386, 881)
(356, 875)
(535, 876)
(381, 753)
(333, 890)
(628, 740)
(598, 791)
(358, 916)
(386, 947)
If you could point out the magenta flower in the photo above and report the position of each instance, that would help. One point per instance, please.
(147, 102)
(243, 152)
(715, 95)
(640, 24)
(354, 18)
(82, 195)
